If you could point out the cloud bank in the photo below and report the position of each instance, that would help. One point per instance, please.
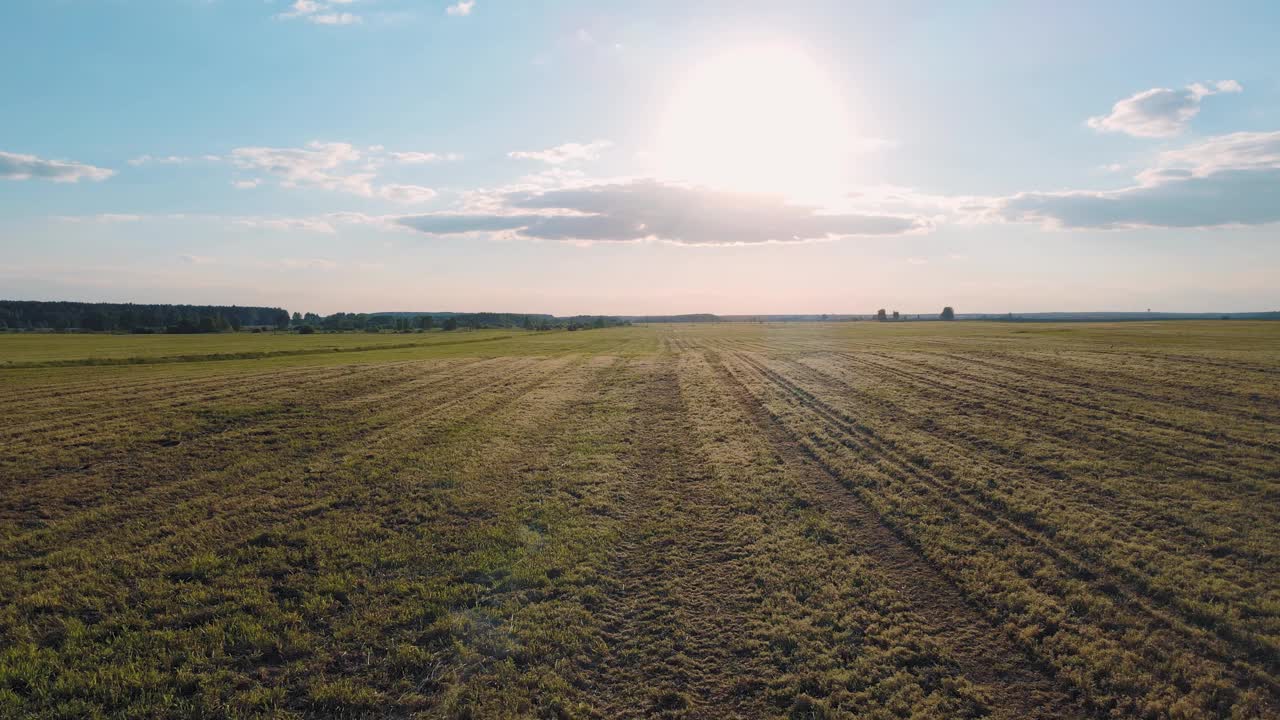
(15, 166)
(320, 13)
(1159, 112)
(1226, 180)
(651, 210)
(334, 166)
(568, 152)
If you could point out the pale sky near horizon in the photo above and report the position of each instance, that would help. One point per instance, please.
(614, 157)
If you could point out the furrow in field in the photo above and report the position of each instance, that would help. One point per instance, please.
(423, 512)
(838, 437)
(1173, 384)
(1213, 363)
(1056, 511)
(186, 444)
(130, 488)
(1130, 513)
(1118, 454)
(1155, 436)
(118, 405)
(1013, 683)
(1177, 432)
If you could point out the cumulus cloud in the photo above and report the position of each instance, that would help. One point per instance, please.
(421, 158)
(1226, 180)
(335, 166)
(304, 166)
(320, 13)
(460, 8)
(406, 193)
(319, 164)
(1159, 112)
(650, 210)
(15, 166)
(568, 152)
(335, 19)
(319, 225)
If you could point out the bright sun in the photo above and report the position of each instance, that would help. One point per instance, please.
(764, 119)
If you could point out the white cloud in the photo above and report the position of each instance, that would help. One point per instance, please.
(171, 159)
(101, 218)
(317, 165)
(196, 259)
(319, 13)
(406, 193)
(335, 19)
(650, 210)
(568, 152)
(15, 166)
(246, 184)
(149, 159)
(1226, 180)
(335, 166)
(460, 8)
(421, 158)
(309, 224)
(1159, 112)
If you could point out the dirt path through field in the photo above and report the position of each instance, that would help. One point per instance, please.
(678, 594)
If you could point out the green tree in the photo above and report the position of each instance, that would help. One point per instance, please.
(948, 313)
(880, 315)
(451, 324)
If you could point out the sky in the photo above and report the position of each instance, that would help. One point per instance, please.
(614, 157)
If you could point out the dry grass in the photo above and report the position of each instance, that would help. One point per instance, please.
(921, 520)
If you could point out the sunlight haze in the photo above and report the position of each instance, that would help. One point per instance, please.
(613, 157)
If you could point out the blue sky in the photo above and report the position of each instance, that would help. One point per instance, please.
(620, 157)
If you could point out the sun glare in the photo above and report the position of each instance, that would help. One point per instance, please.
(761, 119)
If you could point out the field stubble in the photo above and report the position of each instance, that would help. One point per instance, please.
(930, 520)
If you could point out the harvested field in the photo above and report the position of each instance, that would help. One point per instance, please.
(951, 520)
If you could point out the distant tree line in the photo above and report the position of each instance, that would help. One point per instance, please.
(948, 313)
(409, 322)
(134, 317)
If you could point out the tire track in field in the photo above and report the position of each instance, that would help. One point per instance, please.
(1212, 439)
(1032, 421)
(139, 504)
(1136, 513)
(676, 581)
(842, 433)
(437, 423)
(1110, 378)
(179, 394)
(1020, 683)
(991, 392)
(208, 450)
(1229, 365)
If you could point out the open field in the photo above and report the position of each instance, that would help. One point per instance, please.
(951, 520)
(48, 349)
